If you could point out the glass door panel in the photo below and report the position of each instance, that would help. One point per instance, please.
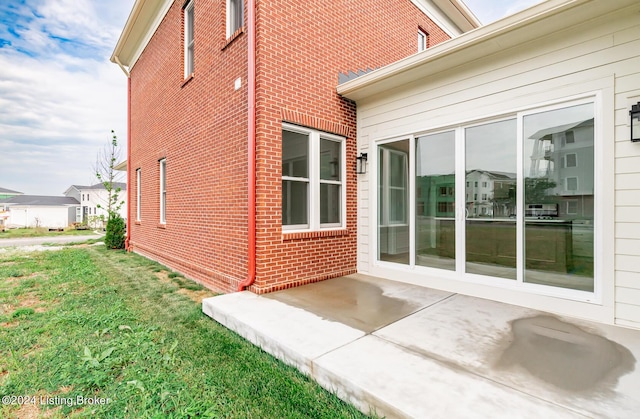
(559, 197)
(393, 202)
(490, 204)
(435, 201)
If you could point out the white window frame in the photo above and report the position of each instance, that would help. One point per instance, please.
(422, 40)
(163, 190)
(189, 52)
(138, 194)
(314, 181)
(231, 15)
(566, 184)
(382, 267)
(566, 160)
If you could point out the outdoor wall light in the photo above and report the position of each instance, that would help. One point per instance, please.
(361, 164)
(635, 122)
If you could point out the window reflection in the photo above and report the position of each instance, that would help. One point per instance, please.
(559, 197)
(490, 203)
(435, 200)
(393, 202)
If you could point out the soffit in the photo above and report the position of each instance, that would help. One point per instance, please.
(144, 19)
(525, 26)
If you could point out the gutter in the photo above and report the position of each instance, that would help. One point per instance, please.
(251, 181)
(127, 241)
(116, 60)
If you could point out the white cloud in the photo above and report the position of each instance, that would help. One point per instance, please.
(60, 96)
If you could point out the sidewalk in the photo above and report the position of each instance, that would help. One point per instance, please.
(400, 350)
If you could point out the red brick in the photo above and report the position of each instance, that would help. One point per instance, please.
(200, 127)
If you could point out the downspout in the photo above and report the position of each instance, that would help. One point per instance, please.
(129, 183)
(126, 72)
(251, 181)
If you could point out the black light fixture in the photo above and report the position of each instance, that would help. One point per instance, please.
(361, 164)
(634, 113)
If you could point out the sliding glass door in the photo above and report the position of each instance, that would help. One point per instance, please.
(559, 197)
(435, 187)
(510, 199)
(490, 204)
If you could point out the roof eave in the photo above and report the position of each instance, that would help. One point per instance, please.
(459, 13)
(144, 19)
(455, 51)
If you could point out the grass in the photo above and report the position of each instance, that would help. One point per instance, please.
(16, 233)
(96, 323)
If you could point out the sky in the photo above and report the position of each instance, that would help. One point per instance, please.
(60, 96)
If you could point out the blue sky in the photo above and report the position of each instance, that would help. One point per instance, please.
(60, 97)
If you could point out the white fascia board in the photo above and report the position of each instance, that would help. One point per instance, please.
(143, 21)
(444, 21)
(459, 13)
(527, 25)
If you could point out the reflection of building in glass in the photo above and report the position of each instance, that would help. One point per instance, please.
(490, 194)
(435, 196)
(561, 171)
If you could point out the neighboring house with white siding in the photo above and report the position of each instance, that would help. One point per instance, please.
(542, 97)
(8, 193)
(94, 201)
(39, 211)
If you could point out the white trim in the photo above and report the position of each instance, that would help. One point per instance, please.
(138, 193)
(314, 181)
(189, 65)
(144, 13)
(460, 275)
(423, 40)
(163, 190)
(228, 30)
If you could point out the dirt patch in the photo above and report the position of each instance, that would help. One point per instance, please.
(6, 309)
(31, 301)
(9, 324)
(163, 276)
(196, 296)
(33, 351)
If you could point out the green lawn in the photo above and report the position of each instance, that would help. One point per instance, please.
(89, 322)
(16, 233)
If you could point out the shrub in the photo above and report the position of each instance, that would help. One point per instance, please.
(115, 236)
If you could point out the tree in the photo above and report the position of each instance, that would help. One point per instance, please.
(107, 175)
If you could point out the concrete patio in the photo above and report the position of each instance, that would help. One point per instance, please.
(400, 350)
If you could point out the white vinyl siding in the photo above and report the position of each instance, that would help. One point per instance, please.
(599, 59)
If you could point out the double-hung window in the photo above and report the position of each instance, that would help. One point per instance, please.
(163, 191)
(138, 194)
(188, 39)
(422, 40)
(313, 173)
(235, 16)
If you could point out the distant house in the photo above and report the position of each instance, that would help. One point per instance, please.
(94, 200)
(8, 193)
(39, 211)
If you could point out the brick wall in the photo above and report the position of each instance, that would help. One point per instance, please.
(199, 126)
(302, 47)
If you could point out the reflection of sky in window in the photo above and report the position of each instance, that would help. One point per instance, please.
(436, 154)
(492, 147)
(538, 121)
